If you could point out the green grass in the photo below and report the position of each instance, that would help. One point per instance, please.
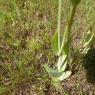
(26, 29)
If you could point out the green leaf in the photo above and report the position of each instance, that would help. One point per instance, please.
(52, 72)
(66, 48)
(88, 38)
(55, 44)
(65, 75)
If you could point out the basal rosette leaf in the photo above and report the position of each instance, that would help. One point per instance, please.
(52, 72)
(56, 75)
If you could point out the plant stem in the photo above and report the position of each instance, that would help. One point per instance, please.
(59, 24)
(70, 22)
(67, 32)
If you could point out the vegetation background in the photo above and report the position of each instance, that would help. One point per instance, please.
(26, 29)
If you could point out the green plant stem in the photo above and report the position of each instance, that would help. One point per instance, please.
(70, 22)
(59, 23)
(67, 32)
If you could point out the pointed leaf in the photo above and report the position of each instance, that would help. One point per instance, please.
(66, 48)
